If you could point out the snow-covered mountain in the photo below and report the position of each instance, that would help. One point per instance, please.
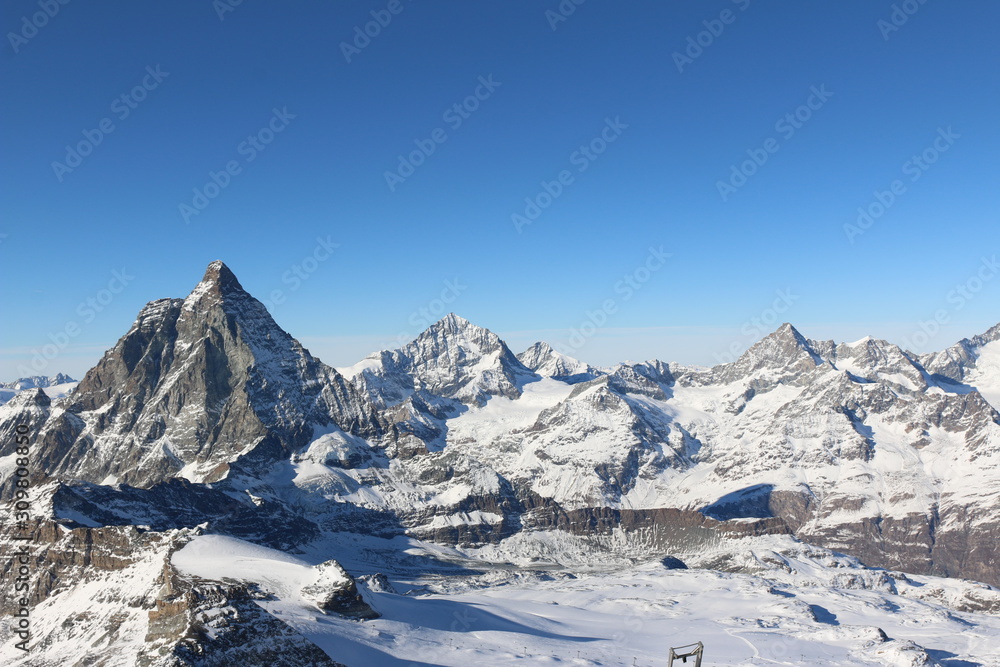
(37, 382)
(453, 359)
(206, 420)
(56, 386)
(972, 362)
(542, 359)
(196, 386)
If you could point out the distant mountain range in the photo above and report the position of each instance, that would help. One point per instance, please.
(207, 416)
(57, 386)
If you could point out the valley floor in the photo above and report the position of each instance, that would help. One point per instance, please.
(801, 613)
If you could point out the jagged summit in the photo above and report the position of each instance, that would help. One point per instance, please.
(218, 284)
(453, 340)
(195, 386)
(220, 277)
(452, 358)
(788, 332)
(37, 381)
(455, 327)
(452, 322)
(784, 350)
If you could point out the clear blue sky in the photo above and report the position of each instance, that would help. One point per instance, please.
(894, 93)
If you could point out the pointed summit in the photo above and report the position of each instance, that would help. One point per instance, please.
(198, 384)
(452, 358)
(219, 275)
(465, 361)
(453, 320)
(35, 396)
(458, 336)
(218, 281)
(787, 332)
(784, 350)
(452, 324)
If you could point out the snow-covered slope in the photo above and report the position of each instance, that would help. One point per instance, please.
(56, 386)
(972, 362)
(542, 359)
(207, 417)
(856, 446)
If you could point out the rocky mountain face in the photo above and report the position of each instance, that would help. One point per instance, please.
(453, 360)
(858, 447)
(196, 386)
(207, 417)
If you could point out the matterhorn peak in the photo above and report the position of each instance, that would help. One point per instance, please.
(220, 279)
(219, 285)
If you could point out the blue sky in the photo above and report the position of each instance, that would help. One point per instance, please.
(642, 108)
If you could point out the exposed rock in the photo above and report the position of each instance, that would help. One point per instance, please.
(335, 591)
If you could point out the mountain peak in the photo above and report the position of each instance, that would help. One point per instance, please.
(219, 276)
(544, 360)
(459, 331)
(452, 322)
(784, 348)
(454, 331)
(34, 396)
(218, 282)
(787, 330)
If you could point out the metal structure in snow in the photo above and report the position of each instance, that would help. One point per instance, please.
(688, 651)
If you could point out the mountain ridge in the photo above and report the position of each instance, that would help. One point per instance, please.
(206, 416)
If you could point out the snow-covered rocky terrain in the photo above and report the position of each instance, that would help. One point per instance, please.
(56, 386)
(211, 493)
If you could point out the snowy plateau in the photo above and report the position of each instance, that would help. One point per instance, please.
(212, 494)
